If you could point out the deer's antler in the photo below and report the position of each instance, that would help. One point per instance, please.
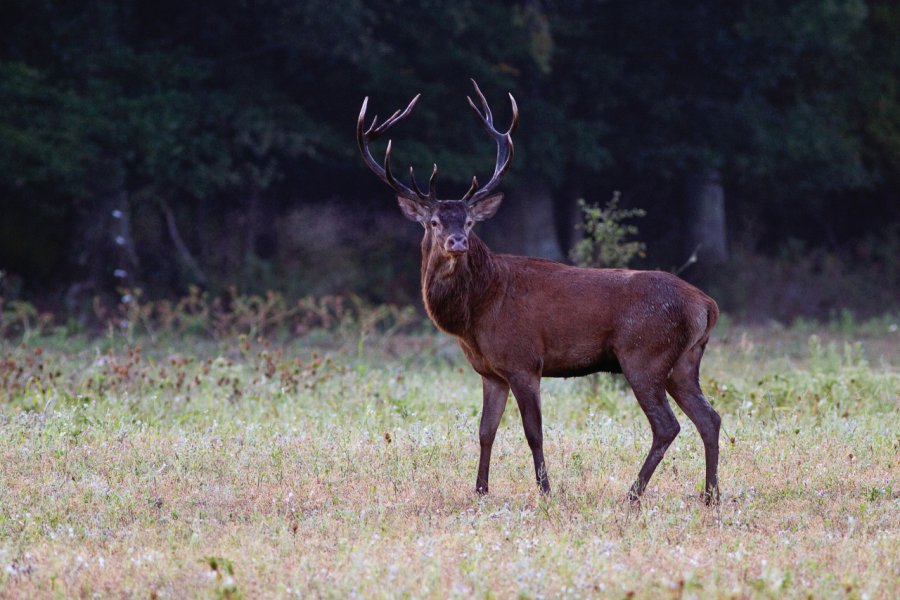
(504, 146)
(375, 131)
(475, 193)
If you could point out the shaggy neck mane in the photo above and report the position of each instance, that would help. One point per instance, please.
(454, 288)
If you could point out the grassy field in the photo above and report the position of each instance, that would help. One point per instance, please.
(236, 468)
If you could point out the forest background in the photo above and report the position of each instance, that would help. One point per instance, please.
(211, 146)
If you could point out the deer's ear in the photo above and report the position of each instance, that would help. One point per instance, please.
(412, 210)
(486, 208)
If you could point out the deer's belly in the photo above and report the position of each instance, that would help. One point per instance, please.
(575, 366)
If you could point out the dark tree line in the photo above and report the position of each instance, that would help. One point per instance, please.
(167, 144)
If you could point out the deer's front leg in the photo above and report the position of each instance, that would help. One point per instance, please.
(527, 390)
(496, 391)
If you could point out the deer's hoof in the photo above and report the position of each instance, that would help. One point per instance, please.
(634, 494)
(711, 497)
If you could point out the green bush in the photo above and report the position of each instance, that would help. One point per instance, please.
(605, 235)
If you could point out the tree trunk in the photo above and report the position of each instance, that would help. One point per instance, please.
(525, 224)
(188, 262)
(568, 214)
(103, 252)
(705, 218)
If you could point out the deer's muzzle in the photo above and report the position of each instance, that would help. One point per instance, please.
(457, 244)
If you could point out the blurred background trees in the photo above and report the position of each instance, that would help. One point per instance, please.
(166, 145)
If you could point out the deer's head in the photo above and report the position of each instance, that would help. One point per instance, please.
(448, 222)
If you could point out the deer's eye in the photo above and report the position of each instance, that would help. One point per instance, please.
(435, 223)
(469, 223)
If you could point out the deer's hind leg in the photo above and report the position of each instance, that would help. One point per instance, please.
(684, 386)
(665, 429)
(648, 383)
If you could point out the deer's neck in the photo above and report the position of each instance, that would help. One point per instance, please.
(455, 290)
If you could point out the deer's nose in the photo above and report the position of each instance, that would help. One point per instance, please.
(457, 243)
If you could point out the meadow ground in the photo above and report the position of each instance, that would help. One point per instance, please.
(170, 468)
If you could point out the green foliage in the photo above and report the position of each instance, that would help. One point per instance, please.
(44, 130)
(21, 319)
(605, 242)
(223, 570)
(228, 109)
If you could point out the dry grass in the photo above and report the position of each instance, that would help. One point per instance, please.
(253, 471)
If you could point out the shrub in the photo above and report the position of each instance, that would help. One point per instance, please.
(605, 233)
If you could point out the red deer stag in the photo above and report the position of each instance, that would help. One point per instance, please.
(519, 319)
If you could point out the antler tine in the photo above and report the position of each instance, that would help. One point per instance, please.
(472, 189)
(389, 177)
(412, 178)
(488, 117)
(394, 118)
(431, 195)
(364, 136)
(432, 189)
(515, 115)
(504, 145)
(374, 122)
